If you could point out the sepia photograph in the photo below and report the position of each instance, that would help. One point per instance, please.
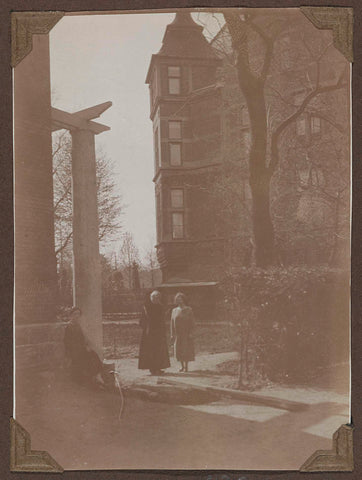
(182, 213)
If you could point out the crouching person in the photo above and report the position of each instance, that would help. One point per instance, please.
(86, 367)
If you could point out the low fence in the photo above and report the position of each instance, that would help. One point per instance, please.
(122, 334)
(122, 317)
(123, 302)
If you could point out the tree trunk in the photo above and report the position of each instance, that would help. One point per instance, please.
(252, 87)
(260, 176)
(262, 224)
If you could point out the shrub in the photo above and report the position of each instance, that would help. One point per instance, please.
(292, 320)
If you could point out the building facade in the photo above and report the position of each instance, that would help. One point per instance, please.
(202, 140)
(185, 111)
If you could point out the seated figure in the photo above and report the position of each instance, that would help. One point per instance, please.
(85, 363)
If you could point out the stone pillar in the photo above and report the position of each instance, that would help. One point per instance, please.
(87, 283)
(38, 338)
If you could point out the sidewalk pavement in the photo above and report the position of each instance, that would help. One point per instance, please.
(204, 373)
(85, 429)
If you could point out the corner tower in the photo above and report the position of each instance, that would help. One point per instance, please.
(185, 103)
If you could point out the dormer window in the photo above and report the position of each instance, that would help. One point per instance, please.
(174, 80)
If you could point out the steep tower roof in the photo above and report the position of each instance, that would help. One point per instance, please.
(184, 38)
(184, 19)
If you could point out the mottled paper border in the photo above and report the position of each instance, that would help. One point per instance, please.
(23, 26)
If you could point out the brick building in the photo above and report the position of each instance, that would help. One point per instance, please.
(201, 144)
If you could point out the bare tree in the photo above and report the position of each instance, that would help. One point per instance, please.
(62, 185)
(129, 255)
(319, 187)
(254, 38)
(109, 201)
(151, 263)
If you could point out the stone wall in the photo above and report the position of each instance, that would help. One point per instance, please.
(39, 346)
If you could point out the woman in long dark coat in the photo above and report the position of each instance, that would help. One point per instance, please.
(85, 363)
(153, 354)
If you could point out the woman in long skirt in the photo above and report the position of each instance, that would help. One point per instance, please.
(182, 326)
(153, 354)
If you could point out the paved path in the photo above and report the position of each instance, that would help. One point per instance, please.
(204, 370)
(336, 411)
(80, 428)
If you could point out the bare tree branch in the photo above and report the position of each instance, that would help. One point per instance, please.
(285, 123)
(65, 243)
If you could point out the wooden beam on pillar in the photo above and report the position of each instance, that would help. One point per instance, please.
(93, 112)
(72, 121)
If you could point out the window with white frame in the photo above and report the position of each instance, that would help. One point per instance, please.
(316, 177)
(177, 225)
(301, 126)
(174, 80)
(174, 129)
(315, 125)
(175, 154)
(177, 198)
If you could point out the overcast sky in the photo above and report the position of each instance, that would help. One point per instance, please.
(96, 58)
